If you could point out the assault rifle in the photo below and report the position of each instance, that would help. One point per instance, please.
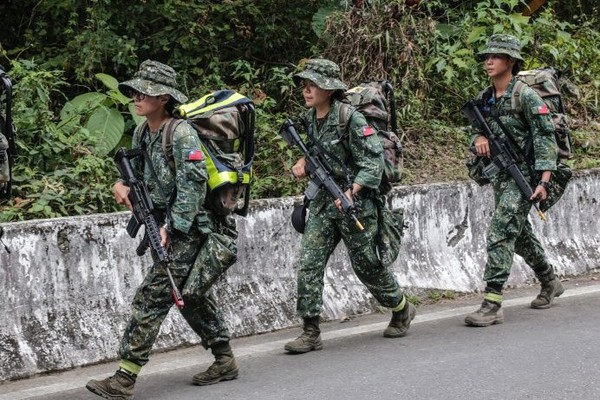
(142, 209)
(7, 129)
(503, 157)
(320, 173)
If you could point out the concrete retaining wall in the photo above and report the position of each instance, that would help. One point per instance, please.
(67, 283)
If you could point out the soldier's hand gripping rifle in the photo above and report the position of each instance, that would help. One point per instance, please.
(7, 129)
(320, 173)
(142, 215)
(503, 157)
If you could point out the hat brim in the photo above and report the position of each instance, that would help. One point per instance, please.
(499, 50)
(150, 88)
(319, 80)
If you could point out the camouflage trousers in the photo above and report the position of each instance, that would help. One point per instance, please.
(153, 301)
(322, 233)
(511, 232)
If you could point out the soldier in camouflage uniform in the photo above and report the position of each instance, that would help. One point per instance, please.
(362, 153)
(186, 224)
(4, 167)
(510, 231)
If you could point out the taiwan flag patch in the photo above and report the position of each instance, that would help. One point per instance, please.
(195, 155)
(368, 130)
(543, 110)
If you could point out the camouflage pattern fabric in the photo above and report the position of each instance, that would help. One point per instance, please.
(4, 171)
(153, 79)
(322, 234)
(189, 228)
(153, 301)
(323, 73)
(190, 175)
(510, 231)
(362, 151)
(503, 44)
(326, 226)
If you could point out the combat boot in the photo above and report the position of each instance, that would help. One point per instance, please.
(117, 387)
(489, 313)
(400, 322)
(223, 369)
(550, 290)
(309, 340)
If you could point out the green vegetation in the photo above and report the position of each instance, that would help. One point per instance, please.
(65, 58)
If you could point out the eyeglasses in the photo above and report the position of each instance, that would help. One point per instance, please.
(138, 96)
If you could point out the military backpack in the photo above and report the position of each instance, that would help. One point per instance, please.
(224, 121)
(544, 81)
(375, 100)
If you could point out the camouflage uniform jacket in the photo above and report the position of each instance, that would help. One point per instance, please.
(534, 123)
(189, 177)
(361, 152)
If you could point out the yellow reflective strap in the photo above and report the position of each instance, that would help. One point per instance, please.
(400, 306)
(199, 106)
(217, 178)
(130, 367)
(494, 297)
(221, 178)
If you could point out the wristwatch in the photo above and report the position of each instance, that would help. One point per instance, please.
(544, 184)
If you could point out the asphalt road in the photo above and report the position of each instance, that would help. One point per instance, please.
(536, 354)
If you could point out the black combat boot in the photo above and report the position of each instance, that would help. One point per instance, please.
(309, 340)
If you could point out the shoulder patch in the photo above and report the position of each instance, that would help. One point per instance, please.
(195, 155)
(367, 130)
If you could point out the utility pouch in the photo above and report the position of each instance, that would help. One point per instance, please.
(480, 169)
(558, 184)
(389, 237)
(217, 254)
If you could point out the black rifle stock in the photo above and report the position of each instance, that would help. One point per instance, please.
(142, 209)
(8, 129)
(503, 157)
(320, 173)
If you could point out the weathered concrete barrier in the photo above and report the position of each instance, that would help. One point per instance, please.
(67, 283)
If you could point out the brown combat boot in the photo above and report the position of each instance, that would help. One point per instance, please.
(400, 322)
(223, 369)
(489, 313)
(550, 290)
(310, 339)
(116, 387)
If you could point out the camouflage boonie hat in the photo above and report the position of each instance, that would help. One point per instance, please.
(154, 79)
(324, 73)
(502, 44)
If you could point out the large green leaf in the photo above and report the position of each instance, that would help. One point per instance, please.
(82, 104)
(106, 126)
(109, 81)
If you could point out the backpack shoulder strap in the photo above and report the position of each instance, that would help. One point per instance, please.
(167, 139)
(515, 100)
(345, 113)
